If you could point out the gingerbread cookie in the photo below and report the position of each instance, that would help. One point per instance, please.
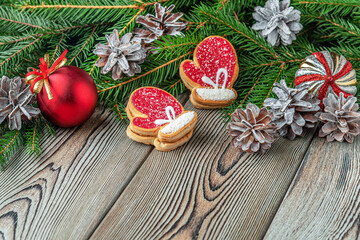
(158, 119)
(212, 74)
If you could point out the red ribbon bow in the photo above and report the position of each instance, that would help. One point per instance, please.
(39, 78)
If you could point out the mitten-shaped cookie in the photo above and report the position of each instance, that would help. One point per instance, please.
(157, 118)
(212, 74)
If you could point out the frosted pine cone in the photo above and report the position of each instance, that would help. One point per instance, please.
(15, 97)
(251, 130)
(341, 118)
(164, 23)
(294, 110)
(278, 22)
(121, 56)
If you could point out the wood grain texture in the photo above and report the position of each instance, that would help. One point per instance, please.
(205, 189)
(64, 193)
(323, 201)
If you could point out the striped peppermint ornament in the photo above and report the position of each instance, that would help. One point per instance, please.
(325, 72)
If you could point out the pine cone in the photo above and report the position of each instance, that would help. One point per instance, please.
(341, 118)
(252, 130)
(164, 23)
(277, 21)
(294, 110)
(122, 56)
(15, 97)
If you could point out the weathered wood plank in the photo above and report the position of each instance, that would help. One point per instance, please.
(205, 189)
(323, 201)
(64, 193)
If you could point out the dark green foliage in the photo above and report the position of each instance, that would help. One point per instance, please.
(31, 28)
(29, 137)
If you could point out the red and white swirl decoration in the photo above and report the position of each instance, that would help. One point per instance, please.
(325, 72)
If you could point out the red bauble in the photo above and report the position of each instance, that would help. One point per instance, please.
(75, 97)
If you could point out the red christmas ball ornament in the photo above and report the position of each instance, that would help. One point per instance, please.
(75, 97)
(66, 95)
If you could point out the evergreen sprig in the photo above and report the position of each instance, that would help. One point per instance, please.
(31, 28)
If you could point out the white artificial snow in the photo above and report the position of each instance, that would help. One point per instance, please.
(215, 94)
(178, 123)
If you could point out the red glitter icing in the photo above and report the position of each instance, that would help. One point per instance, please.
(152, 102)
(213, 53)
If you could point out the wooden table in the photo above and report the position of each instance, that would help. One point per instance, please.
(94, 182)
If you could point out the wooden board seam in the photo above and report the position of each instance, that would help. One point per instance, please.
(306, 153)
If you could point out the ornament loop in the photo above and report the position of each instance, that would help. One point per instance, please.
(40, 78)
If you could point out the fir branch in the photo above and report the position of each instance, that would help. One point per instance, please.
(24, 60)
(34, 134)
(308, 29)
(277, 78)
(329, 3)
(131, 20)
(54, 32)
(303, 47)
(19, 52)
(22, 49)
(21, 39)
(273, 63)
(236, 16)
(248, 94)
(353, 59)
(57, 47)
(118, 110)
(11, 142)
(70, 6)
(330, 7)
(26, 6)
(242, 33)
(15, 22)
(22, 23)
(86, 42)
(144, 74)
(223, 3)
(93, 66)
(179, 45)
(59, 31)
(173, 85)
(334, 23)
(49, 128)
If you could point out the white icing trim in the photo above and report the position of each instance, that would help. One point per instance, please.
(169, 110)
(216, 94)
(207, 80)
(178, 123)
